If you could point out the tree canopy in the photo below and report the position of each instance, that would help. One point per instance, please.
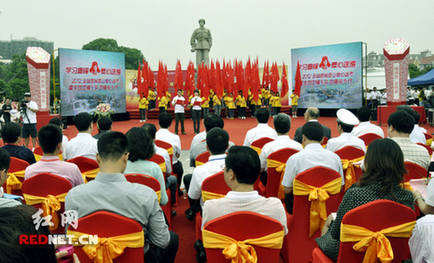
(414, 71)
(132, 55)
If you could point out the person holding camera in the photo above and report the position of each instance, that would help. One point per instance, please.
(29, 109)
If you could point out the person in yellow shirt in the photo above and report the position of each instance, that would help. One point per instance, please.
(205, 106)
(277, 103)
(211, 96)
(294, 104)
(151, 99)
(143, 105)
(168, 96)
(266, 96)
(217, 105)
(252, 104)
(271, 101)
(225, 94)
(162, 103)
(241, 105)
(229, 100)
(263, 90)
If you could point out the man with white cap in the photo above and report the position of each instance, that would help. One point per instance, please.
(346, 122)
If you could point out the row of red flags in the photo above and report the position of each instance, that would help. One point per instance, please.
(233, 78)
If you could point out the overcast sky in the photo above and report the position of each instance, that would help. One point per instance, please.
(239, 28)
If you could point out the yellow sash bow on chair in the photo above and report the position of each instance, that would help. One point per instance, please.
(162, 167)
(257, 149)
(241, 251)
(350, 172)
(317, 196)
(50, 206)
(198, 163)
(375, 244)
(13, 183)
(170, 151)
(210, 195)
(37, 157)
(90, 174)
(280, 168)
(429, 142)
(108, 248)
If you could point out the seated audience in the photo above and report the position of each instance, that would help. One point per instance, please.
(210, 121)
(217, 141)
(104, 124)
(50, 140)
(262, 130)
(5, 160)
(110, 191)
(346, 121)
(417, 134)
(152, 130)
(426, 206)
(163, 134)
(313, 155)
(83, 144)
(282, 125)
(310, 115)
(400, 125)
(141, 149)
(11, 133)
(365, 126)
(421, 241)
(241, 171)
(58, 122)
(384, 171)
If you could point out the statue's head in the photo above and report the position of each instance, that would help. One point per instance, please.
(201, 22)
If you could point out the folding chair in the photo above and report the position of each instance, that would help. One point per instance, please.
(259, 143)
(377, 217)
(17, 167)
(306, 222)
(119, 231)
(89, 168)
(262, 235)
(276, 164)
(47, 191)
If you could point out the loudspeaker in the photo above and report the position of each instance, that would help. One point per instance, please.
(65, 122)
(430, 116)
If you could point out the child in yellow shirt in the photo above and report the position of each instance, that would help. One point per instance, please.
(143, 105)
(229, 100)
(294, 104)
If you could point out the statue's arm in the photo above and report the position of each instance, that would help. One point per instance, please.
(193, 39)
(210, 38)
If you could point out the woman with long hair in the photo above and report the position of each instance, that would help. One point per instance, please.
(384, 173)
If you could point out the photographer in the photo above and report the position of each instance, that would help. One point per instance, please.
(29, 109)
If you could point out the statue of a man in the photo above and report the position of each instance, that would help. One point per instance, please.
(201, 42)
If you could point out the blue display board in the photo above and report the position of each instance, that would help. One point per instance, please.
(88, 78)
(331, 75)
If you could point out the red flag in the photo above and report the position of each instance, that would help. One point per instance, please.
(190, 73)
(205, 81)
(160, 78)
(285, 86)
(298, 82)
(247, 77)
(274, 77)
(218, 80)
(139, 81)
(178, 76)
(265, 75)
(150, 81)
(144, 86)
(256, 86)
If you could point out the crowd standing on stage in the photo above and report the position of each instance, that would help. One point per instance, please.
(118, 154)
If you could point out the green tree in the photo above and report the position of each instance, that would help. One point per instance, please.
(14, 79)
(132, 55)
(413, 71)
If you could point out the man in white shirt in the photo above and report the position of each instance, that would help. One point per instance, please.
(163, 134)
(217, 141)
(179, 103)
(262, 130)
(365, 126)
(313, 155)
(346, 121)
(241, 172)
(421, 242)
(417, 134)
(282, 125)
(83, 144)
(29, 120)
(374, 97)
